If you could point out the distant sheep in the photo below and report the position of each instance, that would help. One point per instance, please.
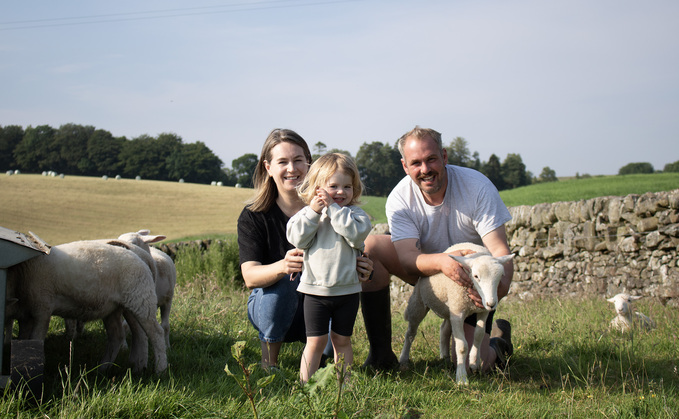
(451, 302)
(625, 319)
(85, 281)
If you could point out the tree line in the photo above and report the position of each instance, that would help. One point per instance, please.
(86, 151)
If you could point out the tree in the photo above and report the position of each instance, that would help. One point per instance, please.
(10, 137)
(103, 150)
(200, 164)
(380, 168)
(636, 168)
(71, 142)
(493, 171)
(671, 167)
(458, 153)
(36, 152)
(138, 157)
(548, 175)
(244, 169)
(319, 149)
(514, 171)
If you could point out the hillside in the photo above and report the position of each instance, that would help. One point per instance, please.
(77, 208)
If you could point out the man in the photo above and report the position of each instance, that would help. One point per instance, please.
(434, 206)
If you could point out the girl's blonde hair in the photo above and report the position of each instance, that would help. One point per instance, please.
(266, 191)
(322, 169)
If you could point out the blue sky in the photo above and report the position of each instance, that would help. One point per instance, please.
(579, 86)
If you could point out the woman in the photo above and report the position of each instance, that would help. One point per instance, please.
(269, 263)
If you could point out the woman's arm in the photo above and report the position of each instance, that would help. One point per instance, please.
(257, 275)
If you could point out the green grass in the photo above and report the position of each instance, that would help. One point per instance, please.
(586, 188)
(566, 363)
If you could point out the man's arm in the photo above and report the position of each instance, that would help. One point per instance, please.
(417, 263)
(496, 243)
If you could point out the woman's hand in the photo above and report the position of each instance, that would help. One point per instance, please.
(364, 267)
(293, 262)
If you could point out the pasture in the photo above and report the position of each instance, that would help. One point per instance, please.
(566, 361)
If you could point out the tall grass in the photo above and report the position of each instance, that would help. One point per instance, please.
(566, 363)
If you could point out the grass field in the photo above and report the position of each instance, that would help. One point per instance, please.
(566, 362)
(77, 208)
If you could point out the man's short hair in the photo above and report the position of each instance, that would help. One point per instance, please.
(420, 133)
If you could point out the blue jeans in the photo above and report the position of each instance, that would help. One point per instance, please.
(277, 311)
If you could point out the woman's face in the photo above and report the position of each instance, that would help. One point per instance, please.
(288, 166)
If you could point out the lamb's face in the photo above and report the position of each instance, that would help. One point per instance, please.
(622, 303)
(485, 272)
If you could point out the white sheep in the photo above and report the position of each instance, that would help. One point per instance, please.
(451, 302)
(87, 280)
(626, 319)
(166, 278)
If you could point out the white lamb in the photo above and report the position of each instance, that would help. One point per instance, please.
(451, 302)
(166, 278)
(85, 281)
(627, 319)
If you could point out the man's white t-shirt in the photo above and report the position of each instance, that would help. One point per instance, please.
(471, 208)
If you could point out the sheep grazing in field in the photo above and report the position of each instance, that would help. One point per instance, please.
(451, 302)
(626, 319)
(86, 281)
(166, 278)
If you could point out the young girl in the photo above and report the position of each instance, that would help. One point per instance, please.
(331, 231)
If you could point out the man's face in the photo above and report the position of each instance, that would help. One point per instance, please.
(425, 164)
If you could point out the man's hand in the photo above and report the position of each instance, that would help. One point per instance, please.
(460, 274)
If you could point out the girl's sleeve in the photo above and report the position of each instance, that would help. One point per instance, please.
(302, 227)
(351, 222)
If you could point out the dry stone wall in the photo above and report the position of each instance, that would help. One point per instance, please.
(598, 247)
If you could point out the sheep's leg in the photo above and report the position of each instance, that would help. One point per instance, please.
(114, 337)
(147, 319)
(414, 314)
(457, 326)
(165, 321)
(444, 340)
(475, 351)
(139, 344)
(35, 328)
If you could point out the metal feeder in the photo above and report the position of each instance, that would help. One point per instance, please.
(15, 248)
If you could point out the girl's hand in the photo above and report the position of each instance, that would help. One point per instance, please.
(293, 262)
(325, 197)
(364, 267)
(317, 203)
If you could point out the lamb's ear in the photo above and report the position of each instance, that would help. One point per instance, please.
(153, 239)
(144, 232)
(634, 297)
(462, 260)
(506, 258)
(611, 300)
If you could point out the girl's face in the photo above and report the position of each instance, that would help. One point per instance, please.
(340, 187)
(287, 167)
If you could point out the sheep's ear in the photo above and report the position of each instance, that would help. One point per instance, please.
(506, 258)
(153, 239)
(461, 260)
(144, 232)
(611, 300)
